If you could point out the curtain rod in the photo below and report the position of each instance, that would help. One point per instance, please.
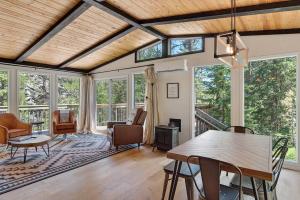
(117, 70)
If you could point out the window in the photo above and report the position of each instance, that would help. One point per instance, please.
(102, 99)
(212, 92)
(270, 99)
(150, 52)
(34, 97)
(111, 96)
(3, 91)
(179, 46)
(119, 100)
(68, 93)
(139, 90)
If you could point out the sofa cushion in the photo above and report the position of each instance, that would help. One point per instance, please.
(65, 126)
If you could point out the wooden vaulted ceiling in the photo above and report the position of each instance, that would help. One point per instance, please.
(82, 35)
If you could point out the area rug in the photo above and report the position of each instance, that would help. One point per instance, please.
(78, 150)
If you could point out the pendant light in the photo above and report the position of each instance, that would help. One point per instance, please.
(229, 47)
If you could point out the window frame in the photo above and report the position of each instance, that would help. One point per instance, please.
(185, 38)
(147, 47)
(166, 47)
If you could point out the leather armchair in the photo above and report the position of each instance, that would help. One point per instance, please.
(11, 126)
(64, 127)
(120, 133)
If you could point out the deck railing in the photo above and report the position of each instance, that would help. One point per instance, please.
(34, 113)
(118, 113)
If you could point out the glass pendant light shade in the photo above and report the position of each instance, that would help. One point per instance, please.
(230, 49)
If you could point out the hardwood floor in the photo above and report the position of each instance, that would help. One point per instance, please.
(131, 175)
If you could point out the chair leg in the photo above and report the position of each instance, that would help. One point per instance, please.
(65, 136)
(139, 144)
(189, 188)
(117, 148)
(226, 173)
(165, 186)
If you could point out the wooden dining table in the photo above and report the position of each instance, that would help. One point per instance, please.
(251, 153)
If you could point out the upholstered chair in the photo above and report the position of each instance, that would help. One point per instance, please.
(122, 133)
(11, 126)
(64, 127)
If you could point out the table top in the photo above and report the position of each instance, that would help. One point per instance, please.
(30, 140)
(251, 153)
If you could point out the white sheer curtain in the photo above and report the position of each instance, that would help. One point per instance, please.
(87, 105)
(151, 105)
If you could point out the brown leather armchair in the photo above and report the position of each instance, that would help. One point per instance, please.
(11, 126)
(64, 127)
(119, 133)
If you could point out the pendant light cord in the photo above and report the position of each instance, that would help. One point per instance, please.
(233, 14)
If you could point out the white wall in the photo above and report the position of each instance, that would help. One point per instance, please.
(259, 46)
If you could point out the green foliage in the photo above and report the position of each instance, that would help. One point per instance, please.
(212, 89)
(3, 88)
(34, 89)
(68, 90)
(180, 46)
(154, 51)
(139, 88)
(270, 98)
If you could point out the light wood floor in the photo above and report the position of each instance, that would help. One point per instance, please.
(131, 175)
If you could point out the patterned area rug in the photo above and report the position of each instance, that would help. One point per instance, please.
(78, 150)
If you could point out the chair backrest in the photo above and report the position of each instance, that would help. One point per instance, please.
(142, 118)
(8, 120)
(139, 111)
(56, 115)
(278, 160)
(210, 173)
(280, 142)
(239, 129)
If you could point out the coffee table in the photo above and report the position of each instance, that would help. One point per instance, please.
(27, 142)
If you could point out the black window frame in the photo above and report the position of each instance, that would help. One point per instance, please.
(166, 46)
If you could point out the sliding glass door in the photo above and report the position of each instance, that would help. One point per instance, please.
(270, 99)
(139, 86)
(34, 98)
(111, 98)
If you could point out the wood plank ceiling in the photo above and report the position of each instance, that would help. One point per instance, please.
(84, 34)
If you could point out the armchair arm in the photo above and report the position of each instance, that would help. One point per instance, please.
(27, 126)
(127, 134)
(3, 135)
(112, 124)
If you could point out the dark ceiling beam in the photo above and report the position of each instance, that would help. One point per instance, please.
(124, 55)
(116, 12)
(98, 45)
(26, 64)
(62, 23)
(225, 13)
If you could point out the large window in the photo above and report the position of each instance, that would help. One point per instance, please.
(68, 93)
(34, 97)
(3, 91)
(185, 45)
(150, 52)
(270, 99)
(212, 92)
(111, 100)
(139, 90)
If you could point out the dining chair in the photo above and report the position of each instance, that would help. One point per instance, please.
(239, 129)
(210, 174)
(279, 152)
(184, 173)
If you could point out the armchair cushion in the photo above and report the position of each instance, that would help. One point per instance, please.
(65, 126)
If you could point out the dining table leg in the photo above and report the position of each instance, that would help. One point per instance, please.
(176, 171)
(254, 188)
(265, 190)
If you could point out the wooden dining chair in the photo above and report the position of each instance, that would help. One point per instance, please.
(184, 173)
(210, 173)
(279, 152)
